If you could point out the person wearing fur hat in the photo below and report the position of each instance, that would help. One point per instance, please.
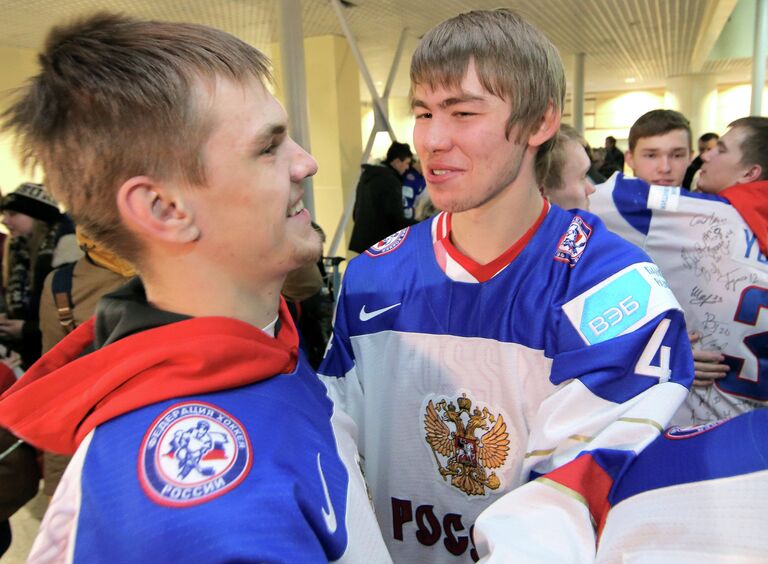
(41, 237)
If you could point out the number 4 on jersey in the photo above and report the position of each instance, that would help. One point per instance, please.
(644, 366)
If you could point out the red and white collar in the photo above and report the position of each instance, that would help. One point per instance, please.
(460, 267)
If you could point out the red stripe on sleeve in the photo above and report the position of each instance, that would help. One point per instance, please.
(587, 478)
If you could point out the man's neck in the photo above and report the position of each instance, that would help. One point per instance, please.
(484, 233)
(202, 292)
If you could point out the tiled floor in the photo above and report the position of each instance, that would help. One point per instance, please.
(24, 525)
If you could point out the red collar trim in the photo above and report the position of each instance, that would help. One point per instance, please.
(751, 201)
(484, 272)
(63, 396)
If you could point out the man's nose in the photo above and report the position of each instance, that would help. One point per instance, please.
(436, 136)
(303, 165)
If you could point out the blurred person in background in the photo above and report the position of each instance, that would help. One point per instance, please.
(378, 208)
(563, 173)
(613, 159)
(706, 142)
(41, 237)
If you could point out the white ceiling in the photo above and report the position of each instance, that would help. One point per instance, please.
(645, 40)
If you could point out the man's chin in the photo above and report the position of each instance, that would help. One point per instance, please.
(308, 252)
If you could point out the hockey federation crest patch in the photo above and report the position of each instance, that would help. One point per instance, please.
(573, 243)
(192, 453)
(389, 244)
(466, 443)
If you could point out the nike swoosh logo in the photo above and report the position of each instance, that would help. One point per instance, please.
(367, 315)
(328, 516)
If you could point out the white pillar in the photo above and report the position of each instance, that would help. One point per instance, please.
(379, 109)
(295, 83)
(578, 93)
(695, 96)
(758, 57)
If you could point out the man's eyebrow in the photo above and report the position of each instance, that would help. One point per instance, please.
(670, 150)
(448, 102)
(266, 134)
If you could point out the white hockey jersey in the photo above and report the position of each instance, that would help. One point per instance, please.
(712, 261)
(464, 389)
(696, 495)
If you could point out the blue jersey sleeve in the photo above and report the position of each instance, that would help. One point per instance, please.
(339, 373)
(620, 357)
(630, 196)
(622, 204)
(338, 359)
(622, 363)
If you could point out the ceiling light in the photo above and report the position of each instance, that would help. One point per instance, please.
(630, 80)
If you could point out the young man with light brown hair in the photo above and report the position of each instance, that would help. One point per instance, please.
(164, 143)
(660, 147)
(505, 336)
(659, 154)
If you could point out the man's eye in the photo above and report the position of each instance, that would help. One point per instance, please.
(270, 150)
(424, 115)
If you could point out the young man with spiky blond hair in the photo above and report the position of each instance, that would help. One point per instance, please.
(504, 337)
(199, 432)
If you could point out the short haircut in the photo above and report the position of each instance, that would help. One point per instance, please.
(514, 61)
(118, 97)
(708, 137)
(400, 151)
(549, 166)
(753, 147)
(658, 122)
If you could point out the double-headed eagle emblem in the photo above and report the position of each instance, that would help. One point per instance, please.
(467, 455)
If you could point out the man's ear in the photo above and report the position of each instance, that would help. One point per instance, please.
(752, 174)
(549, 125)
(156, 211)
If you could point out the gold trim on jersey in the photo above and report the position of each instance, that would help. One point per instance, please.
(650, 422)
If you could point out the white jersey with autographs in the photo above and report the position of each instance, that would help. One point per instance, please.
(696, 495)
(713, 263)
(464, 389)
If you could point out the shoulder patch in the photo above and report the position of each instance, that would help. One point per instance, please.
(621, 303)
(193, 452)
(572, 245)
(389, 244)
